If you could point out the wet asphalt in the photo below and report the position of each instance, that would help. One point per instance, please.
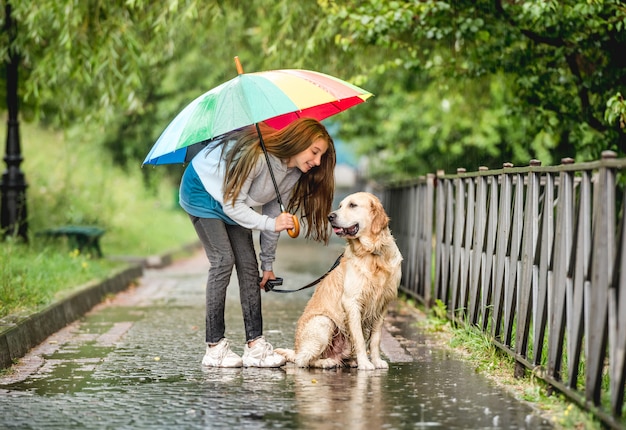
(133, 362)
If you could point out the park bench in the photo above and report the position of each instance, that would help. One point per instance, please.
(83, 238)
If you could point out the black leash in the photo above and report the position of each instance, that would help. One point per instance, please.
(272, 283)
(270, 286)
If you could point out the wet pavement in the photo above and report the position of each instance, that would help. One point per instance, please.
(134, 362)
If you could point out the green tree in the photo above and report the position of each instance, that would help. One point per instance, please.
(128, 67)
(456, 84)
(93, 59)
(560, 63)
(83, 61)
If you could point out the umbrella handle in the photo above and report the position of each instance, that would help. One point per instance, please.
(296, 230)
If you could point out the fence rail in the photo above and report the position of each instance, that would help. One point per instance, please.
(533, 257)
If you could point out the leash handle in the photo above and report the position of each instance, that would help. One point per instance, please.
(271, 283)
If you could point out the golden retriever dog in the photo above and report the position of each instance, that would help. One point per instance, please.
(346, 312)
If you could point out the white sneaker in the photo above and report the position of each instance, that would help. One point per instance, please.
(220, 355)
(261, 355)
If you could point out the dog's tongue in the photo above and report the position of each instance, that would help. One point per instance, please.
(338, 231)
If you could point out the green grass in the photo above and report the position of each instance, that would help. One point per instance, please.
(33, 276)
(72, 180)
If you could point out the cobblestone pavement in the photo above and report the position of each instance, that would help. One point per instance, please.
(134, 362)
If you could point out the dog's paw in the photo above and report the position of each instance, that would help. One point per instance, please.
(380, 364)
(289, 354)
(366, 365)
(325, 363)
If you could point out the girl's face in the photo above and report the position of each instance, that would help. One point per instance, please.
(310, 157)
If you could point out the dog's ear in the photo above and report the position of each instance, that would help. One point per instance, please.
(380, 220)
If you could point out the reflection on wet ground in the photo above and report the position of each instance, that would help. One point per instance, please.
(135, 363)
(407, 395)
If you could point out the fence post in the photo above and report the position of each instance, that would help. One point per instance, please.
(596, 295)
(578, 277)
(408, 236)
(502, 242)
(617, 321)
(447, 242)
(489, 268)
(543, 260)
(466, 245)
(457, 243)
(561, 256)
(511, 287)
(427, 238)
(440, 262)
(529, 244)
(478, 259)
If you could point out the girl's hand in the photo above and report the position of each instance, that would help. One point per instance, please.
(267, 274)
(284, 221)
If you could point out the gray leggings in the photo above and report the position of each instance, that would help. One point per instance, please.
(227, 246)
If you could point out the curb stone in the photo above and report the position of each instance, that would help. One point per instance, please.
(16, 339)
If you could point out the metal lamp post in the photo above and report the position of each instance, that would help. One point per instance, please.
(13, 220)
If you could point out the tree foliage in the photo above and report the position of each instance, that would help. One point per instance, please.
(457, 83)
(526, 79)
(90, 59)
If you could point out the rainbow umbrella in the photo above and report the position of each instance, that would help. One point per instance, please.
(276, 97)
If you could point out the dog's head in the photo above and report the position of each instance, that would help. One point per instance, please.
(359, 216)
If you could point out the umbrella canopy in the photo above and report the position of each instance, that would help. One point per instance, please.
(276, 97)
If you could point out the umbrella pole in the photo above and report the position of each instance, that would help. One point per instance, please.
(269, 166)
(296, 231)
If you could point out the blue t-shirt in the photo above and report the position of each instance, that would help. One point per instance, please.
(195, 199)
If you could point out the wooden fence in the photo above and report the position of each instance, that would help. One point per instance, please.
(533, 257)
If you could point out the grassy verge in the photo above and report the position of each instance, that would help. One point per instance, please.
(72, 180)
(476, 348)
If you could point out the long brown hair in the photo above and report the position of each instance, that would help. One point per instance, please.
(312, 195)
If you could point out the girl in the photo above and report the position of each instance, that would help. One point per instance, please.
(220, 189)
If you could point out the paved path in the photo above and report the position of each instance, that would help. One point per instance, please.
(134, 362)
